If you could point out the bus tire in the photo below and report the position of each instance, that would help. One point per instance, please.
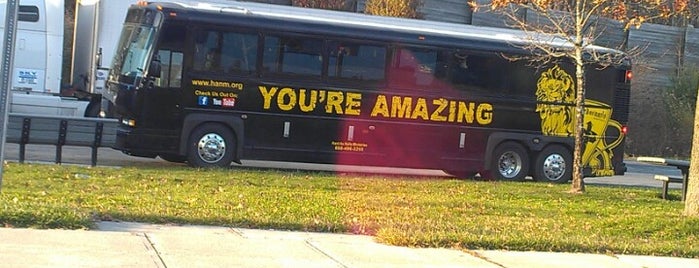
(211, 145)
(510, 162)
(554, 164)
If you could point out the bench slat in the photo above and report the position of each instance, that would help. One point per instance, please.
(667, 180)
(672, 179)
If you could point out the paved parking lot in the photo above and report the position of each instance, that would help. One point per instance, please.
(638, 174)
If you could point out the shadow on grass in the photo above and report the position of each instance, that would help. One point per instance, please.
(671, 197)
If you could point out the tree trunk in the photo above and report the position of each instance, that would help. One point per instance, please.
(578, 185)
(691, 203)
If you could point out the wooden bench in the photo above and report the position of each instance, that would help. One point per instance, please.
(666, 181)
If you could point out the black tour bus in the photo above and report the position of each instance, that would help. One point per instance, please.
(211, 84)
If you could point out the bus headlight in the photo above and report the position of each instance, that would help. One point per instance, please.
(128, 122)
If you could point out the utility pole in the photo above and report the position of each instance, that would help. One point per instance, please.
(8, 51)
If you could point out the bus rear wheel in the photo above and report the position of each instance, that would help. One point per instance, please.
(510, 162)
(211, 145)
(554, 164)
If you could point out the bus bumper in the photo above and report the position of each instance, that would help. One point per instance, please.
(142, 143)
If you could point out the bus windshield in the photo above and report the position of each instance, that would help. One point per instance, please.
(135, 48)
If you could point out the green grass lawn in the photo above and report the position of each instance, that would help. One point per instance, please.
(421, 212)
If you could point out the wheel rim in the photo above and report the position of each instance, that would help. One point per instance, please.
(509, 165)
(211, 148)
(554, 167)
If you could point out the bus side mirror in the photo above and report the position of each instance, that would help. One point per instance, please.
(98, 57)
(154, 68)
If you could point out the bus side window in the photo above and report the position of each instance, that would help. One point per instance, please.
(207, 51)
(489, 73)
(239, 53)
(271, 54)
(293, 55)
(171, 69)
(465, 71)
(228, 52)
(355, 61)
(170, 56)
(419, 67)
(492, 73)
(497, 73)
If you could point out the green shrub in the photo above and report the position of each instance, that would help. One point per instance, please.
(680, 100)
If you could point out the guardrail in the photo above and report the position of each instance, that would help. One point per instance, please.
(26, 129)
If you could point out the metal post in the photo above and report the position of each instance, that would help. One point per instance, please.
(6, 74)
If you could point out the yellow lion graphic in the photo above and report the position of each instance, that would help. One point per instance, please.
(555, 93)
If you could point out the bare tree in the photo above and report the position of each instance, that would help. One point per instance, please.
(578, 24)
(394, 8)
(691, 202)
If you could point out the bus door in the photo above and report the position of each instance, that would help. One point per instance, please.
(165, 89)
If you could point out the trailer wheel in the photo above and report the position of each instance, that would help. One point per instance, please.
(554, 164)
(92, 109)
(211, 145)
(510, 162)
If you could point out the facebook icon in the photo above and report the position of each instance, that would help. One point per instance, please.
(203, 101)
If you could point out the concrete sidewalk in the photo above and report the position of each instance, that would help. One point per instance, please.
(126, 244)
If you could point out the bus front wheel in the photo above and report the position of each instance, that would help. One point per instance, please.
(510, 162)
(554, 164)
(211, 145)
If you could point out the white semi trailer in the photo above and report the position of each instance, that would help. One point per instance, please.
(36, 81)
